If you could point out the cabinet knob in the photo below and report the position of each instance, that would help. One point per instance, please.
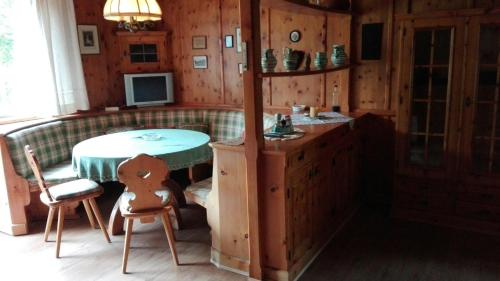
(223, 173)
(301, 156)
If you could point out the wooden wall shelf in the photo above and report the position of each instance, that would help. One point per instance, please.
(304, 73)
(301, 7)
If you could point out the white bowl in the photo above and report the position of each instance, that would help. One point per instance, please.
(298, 108)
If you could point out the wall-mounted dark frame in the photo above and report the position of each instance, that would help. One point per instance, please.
(371, 41)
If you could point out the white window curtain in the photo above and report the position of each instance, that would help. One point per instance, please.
(57, 21)
(47, 76)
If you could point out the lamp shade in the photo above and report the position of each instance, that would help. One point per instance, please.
(139, 10)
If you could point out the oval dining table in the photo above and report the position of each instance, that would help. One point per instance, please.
(98, 158)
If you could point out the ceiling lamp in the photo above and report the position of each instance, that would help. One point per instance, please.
(131, 13)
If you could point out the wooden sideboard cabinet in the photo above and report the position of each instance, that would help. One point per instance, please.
(308, 194)
(143, 51)
(309, 188)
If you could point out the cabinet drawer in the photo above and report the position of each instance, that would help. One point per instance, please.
(418, 186)
(437, 203)
(300, 157)
(478, 211)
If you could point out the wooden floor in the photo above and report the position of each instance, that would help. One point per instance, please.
(85, 255)
(370, 248)
(374, 248)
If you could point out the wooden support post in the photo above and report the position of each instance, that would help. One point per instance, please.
(254, 140)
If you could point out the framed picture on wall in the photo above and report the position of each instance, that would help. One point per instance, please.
(88, 39)
(199, 42)
(200, 62)
(238, 40)
(228, 41)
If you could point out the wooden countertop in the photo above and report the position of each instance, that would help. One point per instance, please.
(312, 132)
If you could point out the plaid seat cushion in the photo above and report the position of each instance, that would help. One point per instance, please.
(48, 142)
(57, 174)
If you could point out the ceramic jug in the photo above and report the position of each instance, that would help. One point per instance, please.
(320, 61)
(268, 60)
(338, 55)
(290, 59)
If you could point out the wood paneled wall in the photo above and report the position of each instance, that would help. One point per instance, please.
(372, 82)
(220, 84)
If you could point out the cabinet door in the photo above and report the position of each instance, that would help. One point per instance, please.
(482, 100)
(430, 88)
(301, 201)
(143, 52)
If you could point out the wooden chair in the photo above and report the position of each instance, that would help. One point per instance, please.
(145, 198)
(57, 196)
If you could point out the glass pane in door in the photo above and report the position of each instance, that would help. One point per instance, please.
(419, 118)
(485, 147)
(438, 116)
(442, 39)
(421, 83)
(487, 84)
(430, 96)
(423, 41)
(440, 83)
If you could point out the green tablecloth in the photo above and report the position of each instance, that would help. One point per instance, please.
(98, 158)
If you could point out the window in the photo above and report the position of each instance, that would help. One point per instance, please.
(40, 65)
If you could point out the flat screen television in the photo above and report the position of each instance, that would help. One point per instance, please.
(149, 89)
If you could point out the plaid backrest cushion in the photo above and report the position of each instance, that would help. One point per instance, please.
(78, 130)
(199, 127)
(168, 118)
(48, 141)
(225, 124)
(124, 119)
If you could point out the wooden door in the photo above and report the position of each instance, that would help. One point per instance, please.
(482, 101)
(430, 89)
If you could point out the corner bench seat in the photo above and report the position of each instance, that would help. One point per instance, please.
(198, 191)
(53, 141)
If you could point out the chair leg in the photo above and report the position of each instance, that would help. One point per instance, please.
(175, 207)
(88, 210)
(48, 226)
(98, 216)
(165, 218)
(60, 225)
(126, 246)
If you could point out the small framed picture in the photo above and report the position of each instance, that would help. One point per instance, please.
(200, 62)
(238, 40)
(88, 39)
(228, 41)
(199, 42)
(295, 36)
